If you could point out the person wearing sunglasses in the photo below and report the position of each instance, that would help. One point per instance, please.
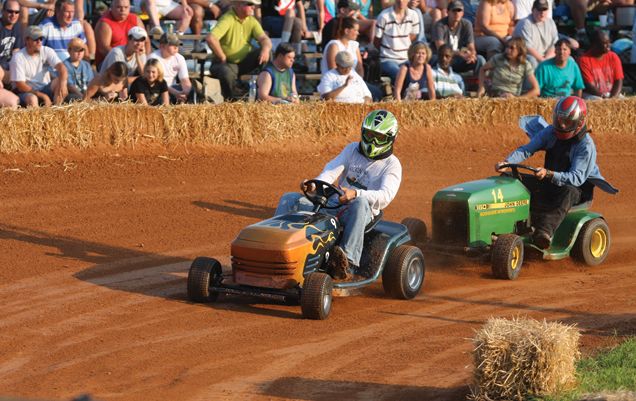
(369, 175)
(30, 72)
(11, 39)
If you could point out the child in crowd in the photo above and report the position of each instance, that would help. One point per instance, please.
(79, 70)
(109, 85)
(150, 88)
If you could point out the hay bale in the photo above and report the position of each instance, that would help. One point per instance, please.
(521, 357)
(85, 125)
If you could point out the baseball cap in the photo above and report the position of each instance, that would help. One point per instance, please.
(350, 4)
(170, 39)
(344, 59)
(455, 5)
(34, 32)
(540, 5)
(137, 33)
(255, 2)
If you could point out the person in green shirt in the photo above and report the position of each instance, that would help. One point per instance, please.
(230, 41)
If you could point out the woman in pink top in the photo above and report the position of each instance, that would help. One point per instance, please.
(494, 22)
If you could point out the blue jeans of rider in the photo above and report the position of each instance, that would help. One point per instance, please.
(354, 217)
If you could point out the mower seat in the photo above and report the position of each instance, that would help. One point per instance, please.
(374, 222)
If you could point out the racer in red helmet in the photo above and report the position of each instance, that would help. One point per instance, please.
(569, 173)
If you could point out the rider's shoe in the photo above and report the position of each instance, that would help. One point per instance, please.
(541, 239)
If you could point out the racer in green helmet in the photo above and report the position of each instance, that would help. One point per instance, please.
(369, 176)
(379, 130)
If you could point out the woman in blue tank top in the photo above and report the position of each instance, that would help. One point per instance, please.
(416, 74)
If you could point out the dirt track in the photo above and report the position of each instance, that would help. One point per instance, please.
(96, 247)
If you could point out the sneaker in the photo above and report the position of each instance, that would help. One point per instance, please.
(541, 239)
(156, 31)
(338, 264)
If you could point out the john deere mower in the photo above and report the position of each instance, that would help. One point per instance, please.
(491, 217)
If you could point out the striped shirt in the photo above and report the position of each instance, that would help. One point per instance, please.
(395, 36)
(58, 38)
(447, 84)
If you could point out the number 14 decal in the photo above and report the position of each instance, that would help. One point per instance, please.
(497, 196)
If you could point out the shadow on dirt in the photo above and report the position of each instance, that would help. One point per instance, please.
(238, 208)
(589, 323)
(299, 388)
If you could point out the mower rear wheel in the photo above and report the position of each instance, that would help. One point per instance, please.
(593, 243)
(203, 273)
(507, 256)
(316, 297)
(417, 229)
(403, 274)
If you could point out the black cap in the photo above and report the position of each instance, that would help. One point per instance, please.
(455, 5)
(540, 5)
(350, 4)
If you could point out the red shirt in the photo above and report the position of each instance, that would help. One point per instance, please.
(119, 31)
(601, 73)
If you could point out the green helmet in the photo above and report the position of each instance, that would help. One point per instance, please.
(379, 130)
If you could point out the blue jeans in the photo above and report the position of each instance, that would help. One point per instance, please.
(354, 217)
(390, 68)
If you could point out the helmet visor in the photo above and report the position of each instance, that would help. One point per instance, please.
(376, 137)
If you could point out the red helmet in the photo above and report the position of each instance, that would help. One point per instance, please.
(569, 117)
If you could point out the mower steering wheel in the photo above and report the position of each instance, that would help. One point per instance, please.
(323, 192)
(515, 169)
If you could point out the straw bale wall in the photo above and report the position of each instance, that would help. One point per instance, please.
(518, 358)
(84, 125)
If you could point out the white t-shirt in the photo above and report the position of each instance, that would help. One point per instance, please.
(33, 69)
(355, 92)
(173, 67)
(377, 181)
(119, 54)
(352, 48)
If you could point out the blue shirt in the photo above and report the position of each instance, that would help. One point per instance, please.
(555, 81)
(583, 165)
(58, 38)
(79, 76)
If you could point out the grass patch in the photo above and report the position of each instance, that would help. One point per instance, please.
(607, 372)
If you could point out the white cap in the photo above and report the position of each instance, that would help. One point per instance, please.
(137, 32)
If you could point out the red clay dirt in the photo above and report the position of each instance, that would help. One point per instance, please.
(96, 246)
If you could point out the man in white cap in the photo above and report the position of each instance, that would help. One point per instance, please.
(30, 72)
(174, 66)
(343, 84)
(230, 42)
(132, 53)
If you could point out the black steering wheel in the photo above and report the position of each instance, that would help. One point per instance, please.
(515, 169)
(323, 192)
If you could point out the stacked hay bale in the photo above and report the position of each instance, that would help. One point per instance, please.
(521, 357)
(85, 125)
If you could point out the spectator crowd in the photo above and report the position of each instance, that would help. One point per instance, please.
(50, 53)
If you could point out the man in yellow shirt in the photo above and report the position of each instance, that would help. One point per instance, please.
(230, 41)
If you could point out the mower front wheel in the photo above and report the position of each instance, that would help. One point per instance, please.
(316, 297)
(403, 275)
(203, 273)
(507, 256)
(593, 243)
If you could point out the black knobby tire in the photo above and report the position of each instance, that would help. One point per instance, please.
(593, 243)
(507, 256)
(203, 272)
(316, 297)
(417, 229)
(403, 275)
